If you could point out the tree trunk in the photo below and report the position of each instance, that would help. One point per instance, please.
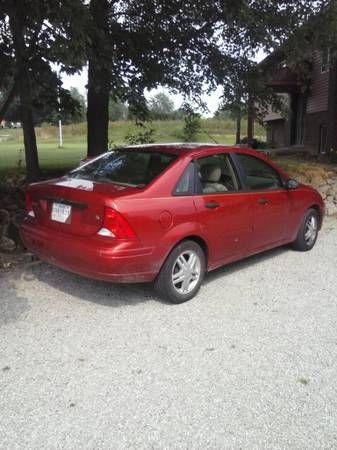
(24, 88)
(99, 76)
(250, 122)
(29, 137)
(238, 129)
(97, 111)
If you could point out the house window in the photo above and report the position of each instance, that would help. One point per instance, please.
(325, 60)
(323, 139)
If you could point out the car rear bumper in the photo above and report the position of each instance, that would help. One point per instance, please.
(92, 257)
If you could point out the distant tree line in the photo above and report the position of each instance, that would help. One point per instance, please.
(131, 46)
(160, 107)
(44, 112)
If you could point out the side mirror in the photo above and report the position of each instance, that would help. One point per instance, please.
(291, 184)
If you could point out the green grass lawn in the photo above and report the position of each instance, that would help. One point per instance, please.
(74, 141)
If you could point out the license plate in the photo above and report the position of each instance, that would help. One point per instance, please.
(60, 212)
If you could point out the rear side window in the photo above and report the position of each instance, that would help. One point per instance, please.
(186, 184)
(125, 167)
(259, 174)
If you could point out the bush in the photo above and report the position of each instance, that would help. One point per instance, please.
(192, 126)
(145, 135)
(256, 144)
(333, 155)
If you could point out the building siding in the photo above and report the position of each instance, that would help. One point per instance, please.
(276, 133)
(313, 123)
(318, 99)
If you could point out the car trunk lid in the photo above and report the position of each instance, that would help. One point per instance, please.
(73, 205)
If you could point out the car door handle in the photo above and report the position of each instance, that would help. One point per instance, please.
(212, 205)
(262, 201)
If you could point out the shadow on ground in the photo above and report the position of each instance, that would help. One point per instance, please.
(246, 263)
(116, 295)
(94, 291)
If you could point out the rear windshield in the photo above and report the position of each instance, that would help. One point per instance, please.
(125, 167)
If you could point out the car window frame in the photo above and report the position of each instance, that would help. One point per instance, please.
(243, 176)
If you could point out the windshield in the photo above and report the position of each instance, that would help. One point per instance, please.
(125, 167)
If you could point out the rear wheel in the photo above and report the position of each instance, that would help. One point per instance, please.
(182, 273)
(308, 232)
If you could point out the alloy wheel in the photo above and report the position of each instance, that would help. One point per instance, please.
(186, 272)
(310, 230)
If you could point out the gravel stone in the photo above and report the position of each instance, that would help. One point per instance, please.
(250, 363)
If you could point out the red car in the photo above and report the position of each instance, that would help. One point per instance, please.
(168, 213)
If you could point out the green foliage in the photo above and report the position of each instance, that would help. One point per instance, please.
(332, 155)
(192, 125)
(144, 135)
(72, 105)
(79, 113)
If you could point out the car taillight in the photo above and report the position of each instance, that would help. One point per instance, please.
(29, 205)
(114, 225)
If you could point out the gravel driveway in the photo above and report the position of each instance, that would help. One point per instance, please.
(250, 363)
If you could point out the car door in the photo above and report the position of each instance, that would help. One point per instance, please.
(269, 201)
(223, 209)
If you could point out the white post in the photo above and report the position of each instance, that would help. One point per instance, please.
(60, 121)
(60, 134)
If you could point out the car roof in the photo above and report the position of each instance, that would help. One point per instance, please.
(178, 148)
(191, 149)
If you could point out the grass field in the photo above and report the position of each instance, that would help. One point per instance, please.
(74, 139)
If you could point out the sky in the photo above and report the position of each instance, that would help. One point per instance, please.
(212, 100)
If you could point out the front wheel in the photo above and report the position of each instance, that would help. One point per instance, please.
(182, 273)
(308, 232)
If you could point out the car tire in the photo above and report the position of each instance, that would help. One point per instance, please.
(308, 232)
(182, 273)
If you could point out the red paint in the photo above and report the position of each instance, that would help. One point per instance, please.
(151, 220)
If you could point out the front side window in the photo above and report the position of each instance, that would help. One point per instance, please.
(259, 174)
(125, 167)
(217, 175)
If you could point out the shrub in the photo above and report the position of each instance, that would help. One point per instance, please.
(256, 144)
(145, 135)
(333, 155)
(192, 126)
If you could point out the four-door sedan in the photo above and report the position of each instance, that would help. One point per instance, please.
(169, 214)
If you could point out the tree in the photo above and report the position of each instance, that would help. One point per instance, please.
(161, 106)
(234, 102)
(35, 33)
(17, 26)
(133, 45)
(137, 45)
(78, 112)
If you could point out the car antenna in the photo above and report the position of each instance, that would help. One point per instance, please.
(209, 135)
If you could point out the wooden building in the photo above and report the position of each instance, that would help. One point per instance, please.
(311, 119)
